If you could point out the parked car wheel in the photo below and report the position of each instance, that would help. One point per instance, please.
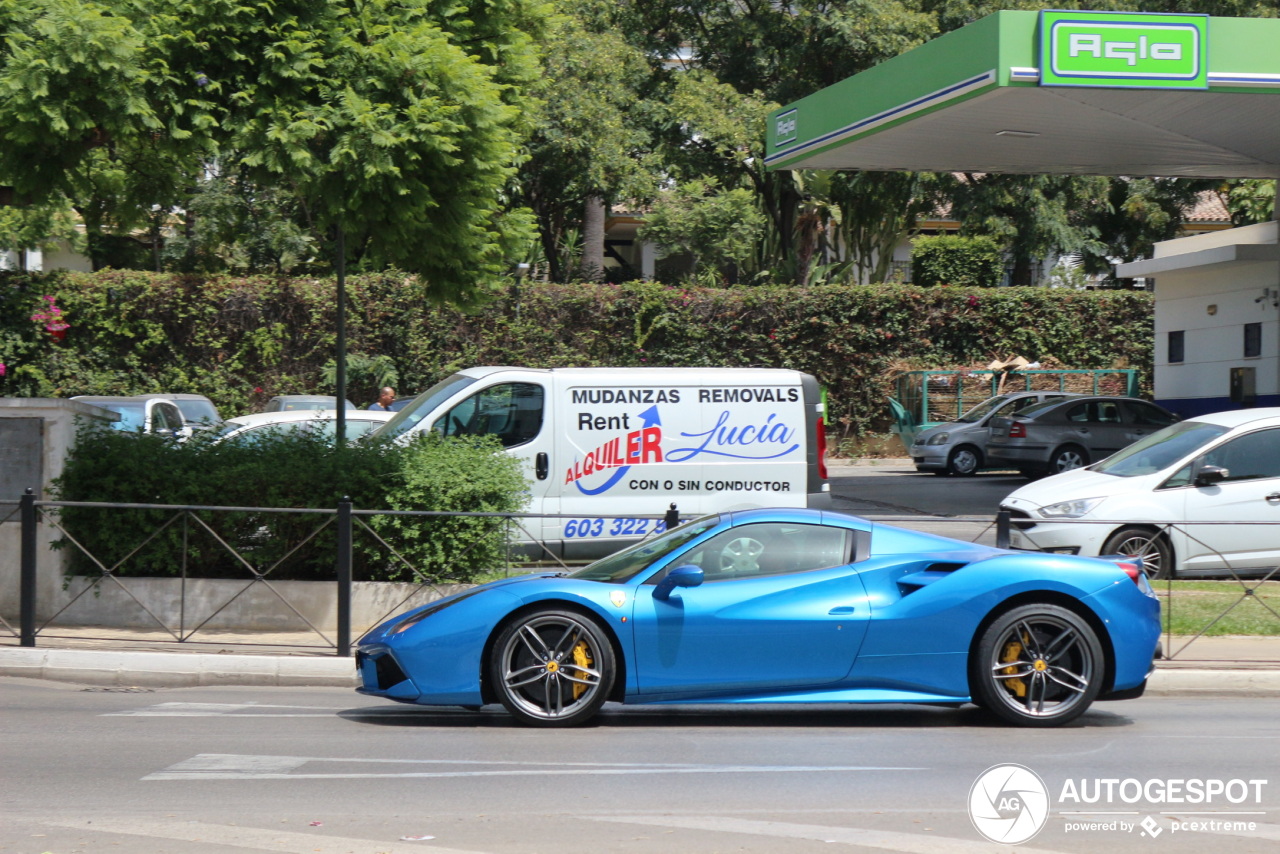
(1068, 457)
(964, 461)
(552, 668)
(1037, 665)
(1152, 546)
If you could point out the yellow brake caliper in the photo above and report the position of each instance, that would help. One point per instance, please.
(582, 658)
(1012, 652)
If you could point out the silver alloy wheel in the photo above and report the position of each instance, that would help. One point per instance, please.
(964, 461)
(1069, 458)
(1156, 554)
(553, 668)
(1039, 665)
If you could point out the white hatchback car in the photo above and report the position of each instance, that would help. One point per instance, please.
(321, 422)
(1200, 497)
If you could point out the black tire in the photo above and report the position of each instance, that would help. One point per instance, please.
(1038, 665)
(1068, 457)
(1152, 546)
(964, 461)
(552, 668)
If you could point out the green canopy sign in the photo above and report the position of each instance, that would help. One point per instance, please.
(1123, 49)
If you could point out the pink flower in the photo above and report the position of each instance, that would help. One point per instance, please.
(2, 369)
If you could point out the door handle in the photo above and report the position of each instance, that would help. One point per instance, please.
(841, 610)
(1273, 498)
(541, 465)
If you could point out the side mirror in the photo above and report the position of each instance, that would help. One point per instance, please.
(682, 576)
(1209, 475)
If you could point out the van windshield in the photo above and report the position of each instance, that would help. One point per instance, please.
(1160, 450)
(423, 405)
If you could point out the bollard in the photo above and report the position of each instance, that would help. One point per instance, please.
(344, 576)
(1003, 518)
(27, 570)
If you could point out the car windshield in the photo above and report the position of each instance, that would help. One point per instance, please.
(982, 409)
(1036, 408)
(626, 564)
(1160, 450)
(133, 416)
(422, 406)
(197, 411)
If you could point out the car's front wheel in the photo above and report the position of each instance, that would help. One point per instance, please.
(1151, 546)
(1038, 665)
(964, 461)
(552, 668)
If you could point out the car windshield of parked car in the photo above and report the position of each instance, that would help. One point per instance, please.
(626, 564)
(423, 405)
(1160, 450)
(198, 411)
(1036, 408)
(983, 409)
(133, 416)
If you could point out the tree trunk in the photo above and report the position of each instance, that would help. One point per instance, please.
(592, 266)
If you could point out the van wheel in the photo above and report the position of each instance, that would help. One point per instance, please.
(1152, 546)
(964, 461)
(1068, 457)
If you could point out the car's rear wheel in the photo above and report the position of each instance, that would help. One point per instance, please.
(552, 668)
(964, 461)
(1152, 546)
(1068, 457)
(1037, 665)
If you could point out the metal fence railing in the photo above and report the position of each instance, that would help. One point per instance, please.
(1253, 588)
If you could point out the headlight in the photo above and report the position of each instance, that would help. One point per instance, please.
(938, 439)
(1070, 509)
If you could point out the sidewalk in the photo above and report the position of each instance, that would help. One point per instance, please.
(1223, 666)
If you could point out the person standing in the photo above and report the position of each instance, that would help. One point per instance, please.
(386, 397)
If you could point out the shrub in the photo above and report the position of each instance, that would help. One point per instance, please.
(948, 259)
(283, 470)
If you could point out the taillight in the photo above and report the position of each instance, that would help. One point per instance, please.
(1133, 570)
(821, 443)
(1017, 430)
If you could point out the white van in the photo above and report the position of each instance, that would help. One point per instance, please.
(629, 442)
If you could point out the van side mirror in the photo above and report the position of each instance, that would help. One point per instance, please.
(682, 576)
(1209, 475)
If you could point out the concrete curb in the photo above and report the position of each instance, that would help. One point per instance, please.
(175, 670)
(190, 670)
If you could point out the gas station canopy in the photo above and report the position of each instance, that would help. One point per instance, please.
(1125, 94)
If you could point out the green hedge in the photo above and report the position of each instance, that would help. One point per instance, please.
(241, 340)
(948, 259)
(291, 470)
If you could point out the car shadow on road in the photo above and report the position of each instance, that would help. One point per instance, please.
(614, 716)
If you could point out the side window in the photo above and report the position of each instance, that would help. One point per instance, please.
(1145, 413)
(163, 418)
(770, 548)
(1177, 342)
(511, 411)
(1250, 457)
(1080, 412)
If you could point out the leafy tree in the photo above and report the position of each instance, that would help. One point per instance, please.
(1250, 201)
(718, 228)
(591, 139)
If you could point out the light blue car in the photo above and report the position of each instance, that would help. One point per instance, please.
(782, 606)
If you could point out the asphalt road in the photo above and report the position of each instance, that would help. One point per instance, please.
(229, 770)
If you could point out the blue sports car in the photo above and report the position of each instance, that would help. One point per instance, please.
(782, 606)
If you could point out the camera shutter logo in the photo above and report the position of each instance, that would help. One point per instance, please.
(1008, 804)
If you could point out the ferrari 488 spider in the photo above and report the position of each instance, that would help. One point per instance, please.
(782, 606)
